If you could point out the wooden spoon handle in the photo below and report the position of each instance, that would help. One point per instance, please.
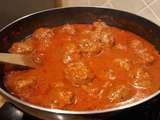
(18, 59)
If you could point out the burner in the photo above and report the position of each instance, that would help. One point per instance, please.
(149, 111)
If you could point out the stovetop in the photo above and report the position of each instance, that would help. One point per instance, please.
(149, 111)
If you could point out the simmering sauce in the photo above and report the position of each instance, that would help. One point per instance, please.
(84, 67)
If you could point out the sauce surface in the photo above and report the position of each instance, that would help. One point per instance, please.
(84, 67)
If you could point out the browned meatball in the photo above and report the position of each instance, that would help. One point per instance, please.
(43, 34)
(110, 74)
(22, 47)
(90, 47)
(21, 83)
(43, 38)
(123, 63)
(141, 51)
(141, 78)
(92, 90)
(37, 57)
(63, 97)
(121, 47)
(102, 35)
(71, 53)
(120, 93)
(107, 39)
(69, 29)
(99, 26)
(99, 39)
(78, 73)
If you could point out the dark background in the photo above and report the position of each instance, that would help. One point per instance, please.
(10, 10)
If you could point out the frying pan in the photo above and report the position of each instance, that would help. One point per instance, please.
(24, 26)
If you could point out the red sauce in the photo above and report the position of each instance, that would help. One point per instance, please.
(85, 67)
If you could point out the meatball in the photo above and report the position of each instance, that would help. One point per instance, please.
(99, 26)
(23, 47)
(62, 98)
(69, 29)
(107, 39)
(110, 74)
(71, 53)
(99, 39)
(43, 38)
(121, 47)
(21, 83)
(43, 34)
(120, 93)
(141, 78)
(78, 73)
(123, 63)
(92, 90)
(100, 33)
(141, 51)
(37, 57)
(90, 47)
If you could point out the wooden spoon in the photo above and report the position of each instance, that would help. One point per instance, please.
(17, 59)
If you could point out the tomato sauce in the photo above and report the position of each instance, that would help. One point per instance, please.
(85, 67)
